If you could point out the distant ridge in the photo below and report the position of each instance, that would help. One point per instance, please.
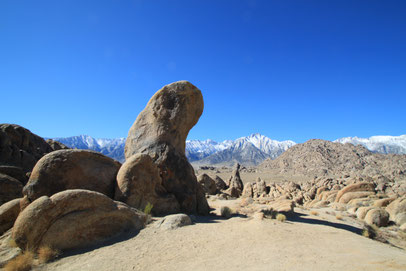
(379, 144)
(318, 157)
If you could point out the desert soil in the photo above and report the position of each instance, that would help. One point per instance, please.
(303, 242)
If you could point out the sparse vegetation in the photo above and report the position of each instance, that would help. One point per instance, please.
(226, 212)
(23, 262)
(370, 231)
(314, 213)
(46, 254)
(148, 208)
(281, 217)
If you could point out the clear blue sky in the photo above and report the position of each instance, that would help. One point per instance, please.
(286, 69)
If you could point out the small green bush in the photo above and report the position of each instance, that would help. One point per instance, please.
(148, 208)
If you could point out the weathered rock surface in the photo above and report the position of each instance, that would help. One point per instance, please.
(208, 184)
(72, 169)
(139, 183)
(21, 148)
(248, 191)
(10, 188)
(377, 217)
(8, 214)
(175, 221)
(73, 219)
(283, 206)
(160, 131)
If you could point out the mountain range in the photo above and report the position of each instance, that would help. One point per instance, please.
(250, 150)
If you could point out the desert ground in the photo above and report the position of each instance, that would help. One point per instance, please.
(303, 242)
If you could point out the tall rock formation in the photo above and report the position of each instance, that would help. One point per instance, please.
(160, 131)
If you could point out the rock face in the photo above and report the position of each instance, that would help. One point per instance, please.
(139, 183)
(72, 169)
(8, 214)
(160, 131)
(208, 184)
(73, 219)
(21, 148)
(10, 188)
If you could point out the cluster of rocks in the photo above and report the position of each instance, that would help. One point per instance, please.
(76, 198)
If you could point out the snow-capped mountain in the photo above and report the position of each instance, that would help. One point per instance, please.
(113, 148)
(198, 149)
(379, 144)
(250, 150)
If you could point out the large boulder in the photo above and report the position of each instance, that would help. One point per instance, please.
(139, 183)
(160, 131)
(172, 222)
(356, 187)
(8, 214)
(72, 169)
(73, 219)
(21, 148)
(10, 188)
(208, 184)
(377, 217)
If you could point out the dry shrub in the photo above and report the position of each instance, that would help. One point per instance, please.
(225, 212)
(281, 217)
(339, 217)
(23, 262)
(46, 254)
(12, 243)
(314, 213)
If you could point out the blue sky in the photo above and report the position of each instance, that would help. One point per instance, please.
(286, 69)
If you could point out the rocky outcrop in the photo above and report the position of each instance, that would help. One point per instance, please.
(10, 188)
(160, 131)
(72, 169)
(21, 148)
(8, 214)
(73, 219)
(139, 184)
(236, 185)
(357, 187)
(208, 184)
(324, 158)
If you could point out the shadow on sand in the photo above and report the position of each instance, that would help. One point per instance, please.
(117, 239)
(302, 218)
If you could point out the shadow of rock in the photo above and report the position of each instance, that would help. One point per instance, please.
(302, 218)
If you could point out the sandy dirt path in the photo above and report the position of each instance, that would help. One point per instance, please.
(242, 244)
